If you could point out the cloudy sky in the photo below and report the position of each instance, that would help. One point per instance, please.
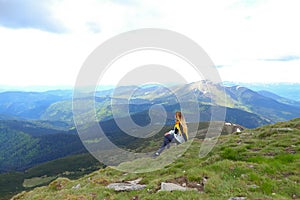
(46, 42)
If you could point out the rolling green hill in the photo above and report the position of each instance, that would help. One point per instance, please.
(29, 105)
(28, 143)
(72, 167)
(261, 163)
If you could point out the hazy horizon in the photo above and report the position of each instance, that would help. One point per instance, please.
(286, 90)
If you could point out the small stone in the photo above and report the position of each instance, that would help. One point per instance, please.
(76, 187)
(135, 198)
(171, 187)
(254, 186)
(135, 181)
(125, 186)
(93, 195)
(183, 184)
(282, 129)
(237, 198)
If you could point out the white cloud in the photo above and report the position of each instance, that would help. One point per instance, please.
(133, 60)
(235, 34)
(261, 71)
(33, 57)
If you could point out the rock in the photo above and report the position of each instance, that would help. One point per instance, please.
(134, 181)
(282, 129)
(171, 187)
(125, 186)
(232, 128)
(253, 186)
(76, 187)
(237, 198)
(247, 133)
(135, 198)
(149, 190)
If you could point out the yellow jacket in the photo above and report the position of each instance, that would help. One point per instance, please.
(179, 128)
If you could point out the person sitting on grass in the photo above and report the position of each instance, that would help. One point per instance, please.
(180, 133)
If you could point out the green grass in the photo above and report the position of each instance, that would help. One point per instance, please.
(36, 181)
(241, 164)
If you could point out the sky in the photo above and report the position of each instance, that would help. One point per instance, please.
(46, 42)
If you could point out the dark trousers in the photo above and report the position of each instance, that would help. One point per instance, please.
(167, 140)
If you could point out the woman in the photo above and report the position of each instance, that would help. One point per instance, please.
(179, 133)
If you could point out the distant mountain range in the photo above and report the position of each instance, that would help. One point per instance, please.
(279, 98)
(38, 126)
(56, 105)
(286, 90)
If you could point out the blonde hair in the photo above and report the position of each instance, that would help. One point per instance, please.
(180, 118)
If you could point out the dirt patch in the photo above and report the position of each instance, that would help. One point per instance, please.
(59, 183)
(100, 181)
(287, 174)
(255, 149)
(270, 154)
(290, 150)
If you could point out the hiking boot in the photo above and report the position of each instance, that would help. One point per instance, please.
(155, 155)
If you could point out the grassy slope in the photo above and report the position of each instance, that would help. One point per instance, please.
(262, 163)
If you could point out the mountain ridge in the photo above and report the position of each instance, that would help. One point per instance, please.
(57, 105)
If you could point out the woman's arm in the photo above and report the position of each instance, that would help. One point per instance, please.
(171, 132)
